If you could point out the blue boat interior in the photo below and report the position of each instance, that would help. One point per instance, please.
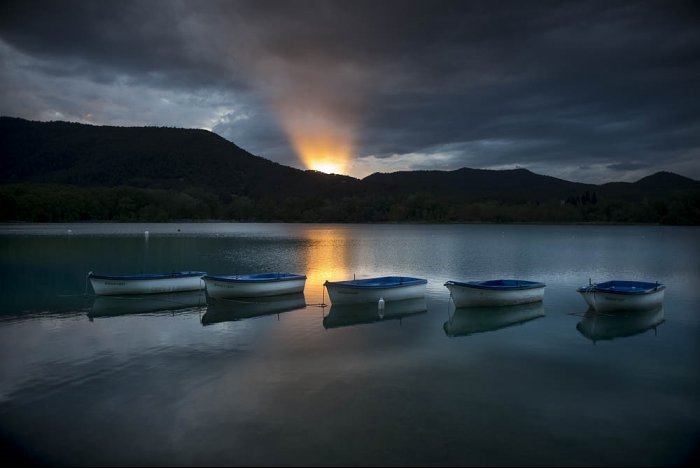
(381, 282)
(147, 276)
(624, 287)
(500, 284)
(258, 277)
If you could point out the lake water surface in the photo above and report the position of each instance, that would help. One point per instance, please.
(169, 380)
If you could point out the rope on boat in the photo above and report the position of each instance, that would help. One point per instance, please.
(449, 318)
(323, 299)
(591, 289)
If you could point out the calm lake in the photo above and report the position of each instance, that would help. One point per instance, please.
(169, 380)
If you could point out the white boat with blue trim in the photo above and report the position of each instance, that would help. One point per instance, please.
(388, 288)
(622, 295)
(255, 285)
(500, 292)
(146, 283)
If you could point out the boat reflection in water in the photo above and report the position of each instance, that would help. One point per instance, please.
(469, 320)
(110, 306)
(343, 315)
(229, 310)
(607, 326)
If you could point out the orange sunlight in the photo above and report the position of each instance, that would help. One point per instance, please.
(327, 152)
(323, 139)
(328, 259)
(327, 167)
(318, 104)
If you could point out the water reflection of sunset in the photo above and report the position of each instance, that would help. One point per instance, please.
(327, 258)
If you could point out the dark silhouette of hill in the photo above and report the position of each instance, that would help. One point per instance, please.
(515, 185)
(70, 171)
(656, 185)
(149, 157)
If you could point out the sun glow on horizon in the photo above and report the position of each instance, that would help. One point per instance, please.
(329, 167)
(322, 137)
(322, 148)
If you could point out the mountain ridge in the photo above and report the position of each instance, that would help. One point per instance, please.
(226, 181)
(147, 157)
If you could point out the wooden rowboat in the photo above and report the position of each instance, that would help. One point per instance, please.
(622, 295)
(256, 285)
(148, 283)
(500, 292)
(388, 288)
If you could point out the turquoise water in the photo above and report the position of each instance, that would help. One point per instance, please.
(168, 380)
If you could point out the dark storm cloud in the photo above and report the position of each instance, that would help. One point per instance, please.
(594, 83)
(149, 41)
(626, 166)
(552, 86)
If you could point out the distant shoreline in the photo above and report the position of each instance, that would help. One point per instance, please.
(77, 172)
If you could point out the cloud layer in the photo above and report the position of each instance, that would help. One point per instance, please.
(588, 91)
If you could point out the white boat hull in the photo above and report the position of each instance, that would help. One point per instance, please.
(118, 286)
(340, 294)
(228, 289)
(464, 296)
(601, 301)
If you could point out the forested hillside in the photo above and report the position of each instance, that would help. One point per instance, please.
(60, 171)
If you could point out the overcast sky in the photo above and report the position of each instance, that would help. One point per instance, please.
(586, 91)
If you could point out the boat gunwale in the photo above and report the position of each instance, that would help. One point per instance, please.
(374, 283)
(521, 285)
(644, 287)
(255, 278)
(149, 276)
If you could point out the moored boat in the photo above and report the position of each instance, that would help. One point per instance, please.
(255, 285)
(388, 288)
(622, 295)
(146, 283)
(500, 292)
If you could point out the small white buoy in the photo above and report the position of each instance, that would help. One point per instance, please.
(70, 231)
(145, 234)
(380, 304)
